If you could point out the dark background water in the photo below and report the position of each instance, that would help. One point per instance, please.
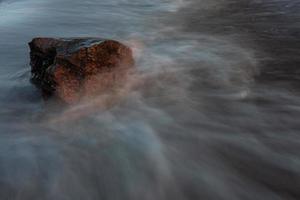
(216, 117)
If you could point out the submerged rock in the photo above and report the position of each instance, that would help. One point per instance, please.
(76, 68)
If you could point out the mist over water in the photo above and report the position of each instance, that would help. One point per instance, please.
(212, 113)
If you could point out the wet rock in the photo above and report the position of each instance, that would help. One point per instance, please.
(76, 68)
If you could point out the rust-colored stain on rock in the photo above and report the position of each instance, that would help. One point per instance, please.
(75, 68)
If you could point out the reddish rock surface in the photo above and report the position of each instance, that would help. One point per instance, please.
(75, 68)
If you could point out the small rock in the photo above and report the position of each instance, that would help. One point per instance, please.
(75, 68)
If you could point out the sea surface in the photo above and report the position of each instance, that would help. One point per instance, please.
(215, 116)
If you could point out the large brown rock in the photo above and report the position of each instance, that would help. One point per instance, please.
(76, 68)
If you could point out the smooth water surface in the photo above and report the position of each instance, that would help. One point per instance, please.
(215, 115)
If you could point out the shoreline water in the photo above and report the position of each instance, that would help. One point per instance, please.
(215, 117)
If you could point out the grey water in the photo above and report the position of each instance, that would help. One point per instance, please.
(216, 115)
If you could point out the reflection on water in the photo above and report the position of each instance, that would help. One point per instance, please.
(214, 114)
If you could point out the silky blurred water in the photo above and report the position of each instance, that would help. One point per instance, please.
(214, 114)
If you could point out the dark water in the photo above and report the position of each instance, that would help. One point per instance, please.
(215, 118)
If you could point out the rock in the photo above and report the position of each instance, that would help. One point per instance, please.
(76, 68)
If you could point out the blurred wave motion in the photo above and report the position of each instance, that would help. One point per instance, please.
(212, 112)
